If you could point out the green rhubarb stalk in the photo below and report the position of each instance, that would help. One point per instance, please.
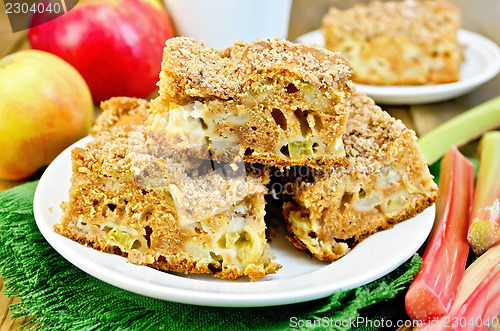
(484, 228)
(433, 290)
(472, 295)
(460, 130)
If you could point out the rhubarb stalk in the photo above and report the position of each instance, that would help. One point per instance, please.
(484, 229)
(482, 305)
(433, 290)
(460, 130)
(477, 294)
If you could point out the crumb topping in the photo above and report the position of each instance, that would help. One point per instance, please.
(122, 112)
(368, 139)
(423, 21)
(223, 73)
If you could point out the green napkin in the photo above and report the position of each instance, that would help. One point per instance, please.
(58, 296)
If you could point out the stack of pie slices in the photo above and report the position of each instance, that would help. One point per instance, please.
(180, 183)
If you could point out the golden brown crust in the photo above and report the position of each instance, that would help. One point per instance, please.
(385, 182)
(398, 42)
(276, 102)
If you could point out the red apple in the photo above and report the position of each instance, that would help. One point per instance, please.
(116, 45)
(45, 106)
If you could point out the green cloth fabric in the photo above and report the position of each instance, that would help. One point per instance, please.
(58, 296)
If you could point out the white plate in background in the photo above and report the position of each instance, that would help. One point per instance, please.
(482, 63)
(302, 278)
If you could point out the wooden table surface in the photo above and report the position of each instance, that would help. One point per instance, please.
(304, 18)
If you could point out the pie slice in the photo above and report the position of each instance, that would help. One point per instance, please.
(386, 181)
(269, 101)
(398, 42)
(121, 114)
(126, 198)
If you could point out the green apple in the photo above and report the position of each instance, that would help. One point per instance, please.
(45, 106)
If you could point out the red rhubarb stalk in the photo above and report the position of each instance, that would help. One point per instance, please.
(433, 290)
(484, 229)
(476, 303)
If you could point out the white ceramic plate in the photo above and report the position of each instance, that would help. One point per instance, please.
(302, 278)
(482, 63)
